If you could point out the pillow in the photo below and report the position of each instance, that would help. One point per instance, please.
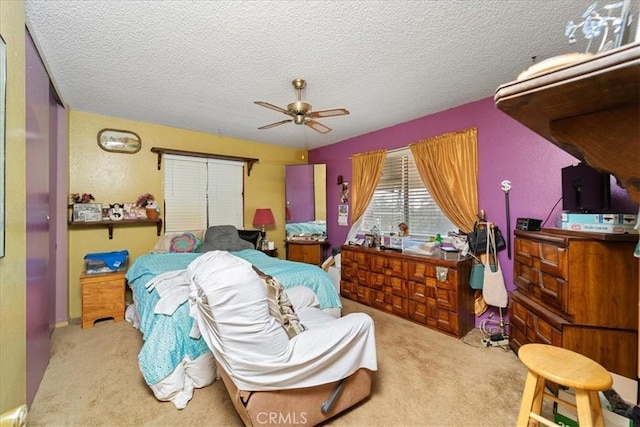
(279, 305)
(163, 245)
(223, 238)
(185, 242)
(250, 236)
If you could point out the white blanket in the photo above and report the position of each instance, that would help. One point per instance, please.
(229, 303)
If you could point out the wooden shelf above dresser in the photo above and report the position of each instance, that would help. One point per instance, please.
(589, 109)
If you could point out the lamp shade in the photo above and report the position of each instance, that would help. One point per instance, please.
(263, 217)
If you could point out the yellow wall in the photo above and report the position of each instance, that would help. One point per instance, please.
(118, 177)
(13, 265)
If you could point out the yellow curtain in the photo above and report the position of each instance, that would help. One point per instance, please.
(448, 166)
(365, 174)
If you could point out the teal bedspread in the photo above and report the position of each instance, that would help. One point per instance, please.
(166, 338)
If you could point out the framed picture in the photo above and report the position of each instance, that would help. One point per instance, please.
(119, 141)
(369, 241)
(87, 212)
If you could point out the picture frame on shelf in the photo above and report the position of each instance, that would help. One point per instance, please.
(119, 141)
(87, 212)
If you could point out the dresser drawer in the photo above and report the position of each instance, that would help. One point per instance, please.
(554, 260)
(533, 323)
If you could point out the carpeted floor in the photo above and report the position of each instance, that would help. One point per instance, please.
(425, 378)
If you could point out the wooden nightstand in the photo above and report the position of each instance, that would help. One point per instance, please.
(271, 252)
(309, 251)
(102, 297)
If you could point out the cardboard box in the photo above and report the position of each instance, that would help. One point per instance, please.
(600, 228)
(625, 387)
(611, 219)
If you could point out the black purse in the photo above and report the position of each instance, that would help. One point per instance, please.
(478, 239)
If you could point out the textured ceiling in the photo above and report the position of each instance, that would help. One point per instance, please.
(199, 65)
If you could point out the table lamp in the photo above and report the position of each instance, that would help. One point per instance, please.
(262, 219)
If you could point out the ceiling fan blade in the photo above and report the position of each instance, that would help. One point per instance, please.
(273, 107)
(272, 125)
(317, 126)
(329, 113)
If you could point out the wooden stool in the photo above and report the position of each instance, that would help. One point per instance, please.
(566, 368)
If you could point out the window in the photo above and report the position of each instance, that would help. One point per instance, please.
(402, 197)
(200, 192)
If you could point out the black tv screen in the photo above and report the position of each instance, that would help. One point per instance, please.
(584, 189)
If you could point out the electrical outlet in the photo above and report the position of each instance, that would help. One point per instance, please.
(487, 342)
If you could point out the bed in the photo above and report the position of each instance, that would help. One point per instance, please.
(173, 362)
(307, 227)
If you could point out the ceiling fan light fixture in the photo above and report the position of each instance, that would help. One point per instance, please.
(301, 113)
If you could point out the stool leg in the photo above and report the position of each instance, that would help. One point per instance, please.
(531, 398)
(589, 409)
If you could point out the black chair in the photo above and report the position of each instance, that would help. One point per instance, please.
(250, 236)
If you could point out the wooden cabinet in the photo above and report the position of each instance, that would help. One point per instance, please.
(590, 109)
(426, 290)
(102, 297)
(579, 291)
(309, 251)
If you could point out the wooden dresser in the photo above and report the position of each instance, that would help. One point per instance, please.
(579, 291)
(426, 290)
(591, 110)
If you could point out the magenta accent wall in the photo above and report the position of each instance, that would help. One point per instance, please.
(507, 150)
(299, 193)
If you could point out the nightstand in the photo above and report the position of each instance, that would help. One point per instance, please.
(271, 252)
(310, 251)
(102, 297)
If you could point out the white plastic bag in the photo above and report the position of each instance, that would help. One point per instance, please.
(494, 290)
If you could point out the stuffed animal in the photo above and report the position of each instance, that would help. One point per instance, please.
(116, 212)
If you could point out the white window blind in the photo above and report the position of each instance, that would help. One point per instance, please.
(402, 197)
(225, 188)
(201, 192)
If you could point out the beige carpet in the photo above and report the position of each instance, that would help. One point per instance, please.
(424, 378)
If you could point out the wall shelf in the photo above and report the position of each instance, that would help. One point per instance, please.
(160, 151)
(124, 222)
(590, 109)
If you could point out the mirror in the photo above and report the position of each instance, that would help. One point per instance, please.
(306, 199)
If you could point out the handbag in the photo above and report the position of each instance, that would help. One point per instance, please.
(476, 279)
(478, 237)
(494, 290)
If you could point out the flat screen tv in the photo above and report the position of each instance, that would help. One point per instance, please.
(585, 189)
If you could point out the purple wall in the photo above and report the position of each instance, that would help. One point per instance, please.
(300, 193)
(507, 150)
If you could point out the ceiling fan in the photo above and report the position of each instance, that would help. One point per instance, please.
(301, 111)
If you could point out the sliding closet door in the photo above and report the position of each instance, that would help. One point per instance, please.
(40, 281)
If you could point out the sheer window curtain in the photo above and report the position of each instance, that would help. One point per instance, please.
(365, 175)
(448, 166)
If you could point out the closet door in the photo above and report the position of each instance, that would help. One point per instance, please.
(40, 292)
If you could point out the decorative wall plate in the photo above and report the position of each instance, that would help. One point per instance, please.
(119, 141)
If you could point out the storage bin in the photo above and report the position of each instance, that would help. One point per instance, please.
(106, 262)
